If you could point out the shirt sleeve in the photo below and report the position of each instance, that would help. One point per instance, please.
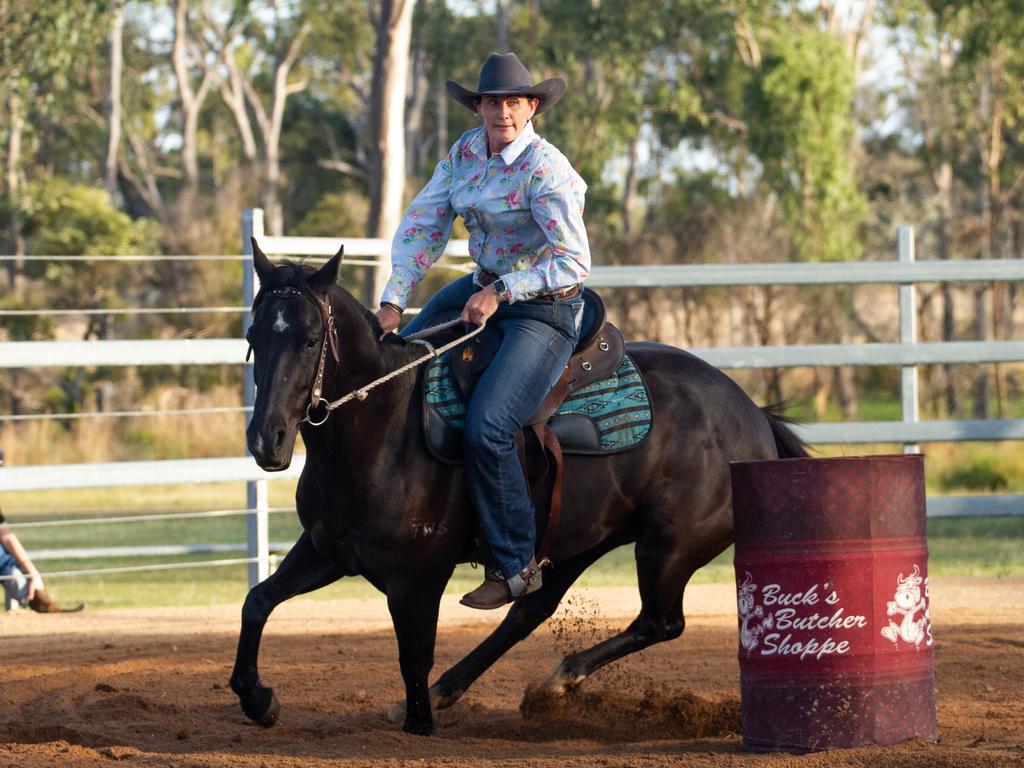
(557, 196)
(422, 236)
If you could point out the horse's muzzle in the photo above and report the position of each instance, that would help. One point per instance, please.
(271, 444)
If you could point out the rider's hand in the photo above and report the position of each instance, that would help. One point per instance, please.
(481, 305)
(389, 318)
(35, 584)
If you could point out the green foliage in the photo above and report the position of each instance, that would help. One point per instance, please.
(66, 219)
(42, 41)
(801, 129)
(333, 215)
(982, 474)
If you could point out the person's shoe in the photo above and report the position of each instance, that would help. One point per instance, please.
(41, 602)
(497, 591)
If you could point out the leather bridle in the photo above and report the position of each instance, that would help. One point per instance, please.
(329, 339)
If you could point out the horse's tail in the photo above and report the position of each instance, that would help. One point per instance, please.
(788, 445)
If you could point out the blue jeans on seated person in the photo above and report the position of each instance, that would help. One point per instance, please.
(15, 583)
(538, 338)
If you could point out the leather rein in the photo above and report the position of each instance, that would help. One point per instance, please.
(330, 340)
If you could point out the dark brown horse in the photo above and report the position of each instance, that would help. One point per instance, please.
(374, 503)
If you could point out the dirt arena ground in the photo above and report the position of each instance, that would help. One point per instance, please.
(149, 688)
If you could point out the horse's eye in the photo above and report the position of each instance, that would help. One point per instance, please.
(311, 343)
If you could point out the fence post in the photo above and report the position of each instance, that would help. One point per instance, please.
(256, 492)
(908, 335)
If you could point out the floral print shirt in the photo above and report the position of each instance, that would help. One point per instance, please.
(523, 208)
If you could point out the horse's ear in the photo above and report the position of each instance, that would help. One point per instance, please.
(327, 275)
(260, 261)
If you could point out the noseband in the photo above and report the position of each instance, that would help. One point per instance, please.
(329, 339)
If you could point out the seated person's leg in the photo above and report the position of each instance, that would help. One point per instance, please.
(15, 583)
(530, 361)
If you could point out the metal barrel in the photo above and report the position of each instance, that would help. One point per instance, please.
(835, 639)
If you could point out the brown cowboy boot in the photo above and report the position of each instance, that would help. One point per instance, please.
(497, 591)
(41, 602)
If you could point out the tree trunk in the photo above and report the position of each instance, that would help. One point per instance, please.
(502, 32)
(415, 139)
(191, 106)
(996, 222)
(240, 90)
(272, 161)
(16, 267)
(980, 388)
(441, 99)
(387, 104)
(114, 99)
(942, 177)
(944, 188)
(631, 188)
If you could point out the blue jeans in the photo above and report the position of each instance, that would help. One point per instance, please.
(14, 582)
(538, 338)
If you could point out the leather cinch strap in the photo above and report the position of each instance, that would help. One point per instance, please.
(550, 443)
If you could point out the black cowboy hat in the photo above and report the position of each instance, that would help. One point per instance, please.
(504, 75)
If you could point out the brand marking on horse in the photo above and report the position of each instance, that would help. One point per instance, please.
(424, 529)
(280, 324)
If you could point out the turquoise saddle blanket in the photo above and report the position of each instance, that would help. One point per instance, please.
(607, 416)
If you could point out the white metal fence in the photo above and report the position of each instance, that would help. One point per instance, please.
(908, 354)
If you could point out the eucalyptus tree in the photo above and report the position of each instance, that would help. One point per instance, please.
(40, 44)
(964, 64)
(800, 127)
(386, 127)
(992, 50)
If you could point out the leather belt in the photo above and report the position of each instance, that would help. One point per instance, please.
(486, 277)
(563, 293)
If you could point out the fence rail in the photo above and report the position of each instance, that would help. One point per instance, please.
(908, 354)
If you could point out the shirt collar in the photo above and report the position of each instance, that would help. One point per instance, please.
(510, 153)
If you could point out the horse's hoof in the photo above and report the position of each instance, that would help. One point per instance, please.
(438, 700)
(269, 717)
(443, 701)
(261, 707)
(419, 728)
(562, 680)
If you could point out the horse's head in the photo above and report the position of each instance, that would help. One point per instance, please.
(292, 334)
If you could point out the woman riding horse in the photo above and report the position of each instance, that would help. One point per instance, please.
(522, 203)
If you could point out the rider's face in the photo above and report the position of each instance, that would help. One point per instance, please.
(504, 118)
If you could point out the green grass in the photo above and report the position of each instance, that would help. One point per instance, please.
(990, 546)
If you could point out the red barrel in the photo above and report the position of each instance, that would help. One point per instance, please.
(832, 585)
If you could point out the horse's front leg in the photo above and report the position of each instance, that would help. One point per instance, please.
(414, 608)
(302, 570)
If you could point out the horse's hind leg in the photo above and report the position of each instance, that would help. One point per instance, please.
(302, 570)
(662, 573)
(525, 615)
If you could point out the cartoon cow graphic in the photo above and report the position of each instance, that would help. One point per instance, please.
(908, 602)
(749, 612)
